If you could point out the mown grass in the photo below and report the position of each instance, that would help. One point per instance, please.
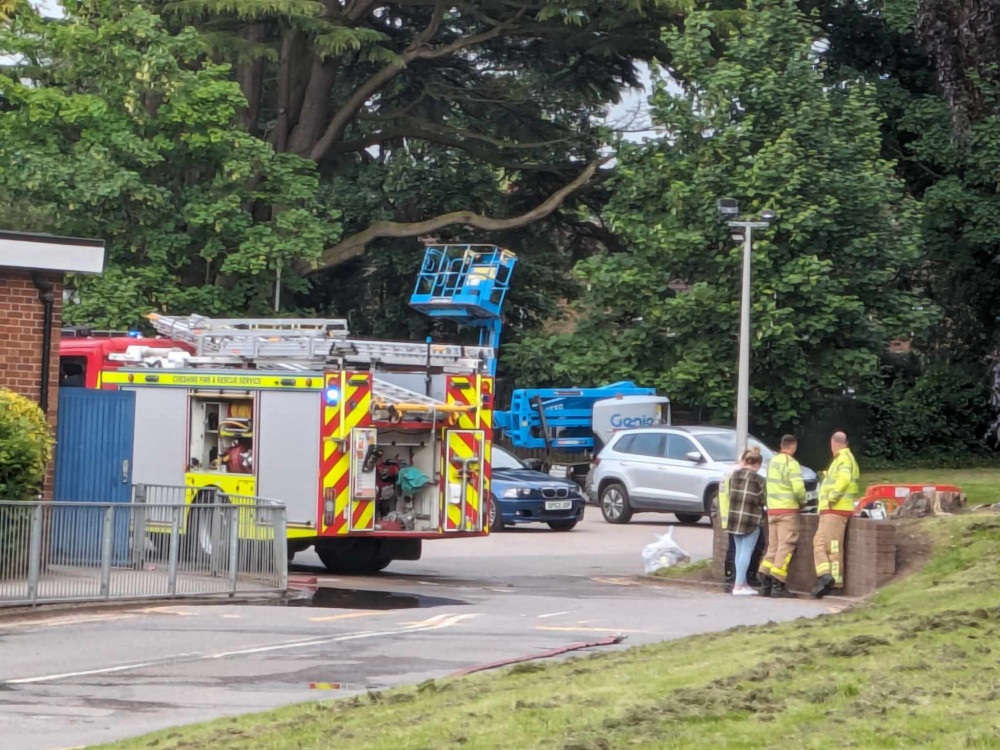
(982, 486)
(919, 665)
(696, 570)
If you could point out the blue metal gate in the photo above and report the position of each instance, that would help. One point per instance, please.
(93, 464)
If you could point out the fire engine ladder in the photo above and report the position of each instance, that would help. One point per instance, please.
(317, 340)
(400, 403)
(389, 401)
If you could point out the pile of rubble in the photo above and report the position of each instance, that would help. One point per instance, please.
(926, 503)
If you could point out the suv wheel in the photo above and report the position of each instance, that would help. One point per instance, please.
(614, 504)
(688, 518)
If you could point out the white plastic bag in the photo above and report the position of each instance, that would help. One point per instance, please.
(663, 553)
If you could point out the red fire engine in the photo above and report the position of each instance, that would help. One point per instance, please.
(372, 446)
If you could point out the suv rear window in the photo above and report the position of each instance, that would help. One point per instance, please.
(642, 444)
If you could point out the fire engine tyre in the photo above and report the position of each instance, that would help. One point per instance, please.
(358, 556)
(496, 520)
(688, 518)
(615, 506)
(198, 542)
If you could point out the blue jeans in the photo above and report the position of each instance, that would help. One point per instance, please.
(745, 544)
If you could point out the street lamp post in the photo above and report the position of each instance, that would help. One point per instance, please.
(744, 230)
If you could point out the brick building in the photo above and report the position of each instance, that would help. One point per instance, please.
(32, 267)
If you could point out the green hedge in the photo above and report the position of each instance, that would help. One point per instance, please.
(25, 447)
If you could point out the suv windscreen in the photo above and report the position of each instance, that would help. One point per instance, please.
(721, 446)
(642, 444)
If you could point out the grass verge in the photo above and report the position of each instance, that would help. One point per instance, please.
(918, 665)
(696, 571)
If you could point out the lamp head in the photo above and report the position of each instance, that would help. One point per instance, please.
(727, 206)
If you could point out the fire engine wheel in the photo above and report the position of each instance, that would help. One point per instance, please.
(358, 556)
(199, 542)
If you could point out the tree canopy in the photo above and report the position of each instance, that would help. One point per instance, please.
(832, 279)
(119, 130)
(218, 145)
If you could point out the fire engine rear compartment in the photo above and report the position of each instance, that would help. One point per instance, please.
(268, 443)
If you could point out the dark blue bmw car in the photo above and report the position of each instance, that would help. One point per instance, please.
(523, 495)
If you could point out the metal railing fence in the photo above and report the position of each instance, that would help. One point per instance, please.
(89, 551)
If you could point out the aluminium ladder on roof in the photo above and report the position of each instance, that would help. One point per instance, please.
(316, 340)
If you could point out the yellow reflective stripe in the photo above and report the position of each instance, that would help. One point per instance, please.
(834, 545)
(783, 570)
(212, 380)
(822, 568)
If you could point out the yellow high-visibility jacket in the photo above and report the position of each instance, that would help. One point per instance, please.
(724, 499)
(841, 486)
(786, 492)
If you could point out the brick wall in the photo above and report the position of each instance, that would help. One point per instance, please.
(870, 561)
(21, 330)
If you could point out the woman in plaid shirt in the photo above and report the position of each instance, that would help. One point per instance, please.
(747, 497)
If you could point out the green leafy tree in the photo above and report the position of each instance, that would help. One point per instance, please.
(472, 122)
(509, 88)
(830, 285)
(112, 126)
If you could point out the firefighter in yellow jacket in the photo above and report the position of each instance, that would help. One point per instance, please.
(786, 494)
(837, 495)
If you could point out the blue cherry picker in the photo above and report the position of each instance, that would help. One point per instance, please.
(467, 284)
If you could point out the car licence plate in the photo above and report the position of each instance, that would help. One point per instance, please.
(558, 504)
(814, 495)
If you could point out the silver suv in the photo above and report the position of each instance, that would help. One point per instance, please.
(669, 470)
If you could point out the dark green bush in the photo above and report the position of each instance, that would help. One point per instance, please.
(25, 447)
(941, 413)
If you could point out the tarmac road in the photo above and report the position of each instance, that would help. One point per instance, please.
(76, 678)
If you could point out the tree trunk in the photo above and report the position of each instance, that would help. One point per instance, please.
(249, 75)
(315, 104)
(280, 136)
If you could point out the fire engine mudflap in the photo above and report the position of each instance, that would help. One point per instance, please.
(373, 447)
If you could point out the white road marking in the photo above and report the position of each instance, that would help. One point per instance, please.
(554, 614)
(434, 623)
